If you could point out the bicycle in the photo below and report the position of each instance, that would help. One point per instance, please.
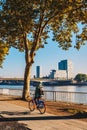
(39, 104)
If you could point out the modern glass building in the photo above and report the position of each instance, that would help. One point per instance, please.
(38, 72)
(66, 65)
(63, 65)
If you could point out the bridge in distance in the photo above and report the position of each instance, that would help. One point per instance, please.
(20, 81)
(34, 82)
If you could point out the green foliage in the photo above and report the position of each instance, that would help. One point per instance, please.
(4, 48)
(81, 77)
(37, 17)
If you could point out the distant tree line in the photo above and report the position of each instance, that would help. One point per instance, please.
(80, 77)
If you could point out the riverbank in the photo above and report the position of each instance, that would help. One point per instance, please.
(57, 108)
(45, 82)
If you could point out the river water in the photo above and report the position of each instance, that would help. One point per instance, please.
(50, 88)
(75, 94)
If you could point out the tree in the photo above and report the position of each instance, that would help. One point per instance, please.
(81, 77)
(25, 25)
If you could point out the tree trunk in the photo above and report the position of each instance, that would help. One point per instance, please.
(26, 88)
(28, 61)
(29, 58)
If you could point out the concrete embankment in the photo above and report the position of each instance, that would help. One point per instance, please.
(46, 82)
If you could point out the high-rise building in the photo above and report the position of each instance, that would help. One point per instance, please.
(67, 66)
(38, 72)
(62, 65)
(65, 70)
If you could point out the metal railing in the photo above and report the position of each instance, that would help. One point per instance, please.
(73, 97)
(64, 96)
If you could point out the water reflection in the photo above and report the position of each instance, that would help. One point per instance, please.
(67, 88)
(61, 88)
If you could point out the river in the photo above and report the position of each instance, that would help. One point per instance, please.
(75, 94)
(50, 88)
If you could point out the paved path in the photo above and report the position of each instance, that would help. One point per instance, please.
(37, 121)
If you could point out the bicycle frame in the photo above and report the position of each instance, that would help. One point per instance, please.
(38, 103)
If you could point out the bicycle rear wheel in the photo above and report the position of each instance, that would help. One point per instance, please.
(31, 105)
(41, 107)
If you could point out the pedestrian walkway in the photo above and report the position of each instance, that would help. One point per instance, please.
(37, 121)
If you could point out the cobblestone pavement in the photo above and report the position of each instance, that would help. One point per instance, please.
(13, 117)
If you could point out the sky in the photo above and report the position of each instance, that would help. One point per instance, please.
(47, 58)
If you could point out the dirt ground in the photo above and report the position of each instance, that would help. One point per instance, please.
(78, 111)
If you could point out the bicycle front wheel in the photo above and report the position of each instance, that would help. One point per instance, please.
(31, 105)
(42, 107)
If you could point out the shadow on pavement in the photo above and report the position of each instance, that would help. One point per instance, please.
(15, 113)
(76, 116)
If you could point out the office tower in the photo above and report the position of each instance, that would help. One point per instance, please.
(67, 66)
(38, 72)
(62, 65)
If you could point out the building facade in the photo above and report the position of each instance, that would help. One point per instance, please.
(67, 66)
(65, 71)
(58, 74)
(38, 72)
